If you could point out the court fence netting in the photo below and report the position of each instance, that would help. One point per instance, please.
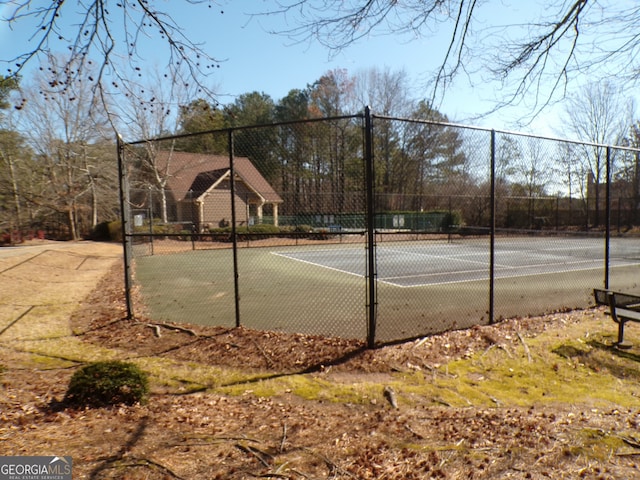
(372, 227)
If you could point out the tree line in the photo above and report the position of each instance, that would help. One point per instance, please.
(59, 169)
(56, 129)
(58, 151)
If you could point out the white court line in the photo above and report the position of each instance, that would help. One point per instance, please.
(498, 276)
(316, 264)
(445, 257)
(500, 269)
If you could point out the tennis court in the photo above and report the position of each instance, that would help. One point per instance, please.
(422, 286)
(411, 265)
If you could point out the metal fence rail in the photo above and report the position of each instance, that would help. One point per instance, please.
(373, 227)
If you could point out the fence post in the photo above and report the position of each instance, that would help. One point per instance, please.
(607, 218)
(151, 218)
(124, 221)
(234, 237)
(193, 223)
(492, 234)
(371, 234)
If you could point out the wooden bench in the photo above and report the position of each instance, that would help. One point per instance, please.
(623, 308)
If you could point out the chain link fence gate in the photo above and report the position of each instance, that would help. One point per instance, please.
(370, 227)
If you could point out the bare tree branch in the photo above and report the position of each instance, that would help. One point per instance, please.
(535, 59)
(336, 24)
(106, 33)
(456, 38)
(540, 47)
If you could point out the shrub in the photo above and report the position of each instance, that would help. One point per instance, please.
(263, 228)
(107, 383)
(296, 231)
(256, 232)
(321, 234)
(161, 229)
(185, 235)
(451, 221)
(101, 232)
(303, 228)
(115, 231)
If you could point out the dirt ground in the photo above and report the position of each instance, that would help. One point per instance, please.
(242, 404)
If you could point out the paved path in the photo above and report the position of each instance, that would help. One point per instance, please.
(42, 284)
(36, 246)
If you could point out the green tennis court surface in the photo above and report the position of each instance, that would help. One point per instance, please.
(405, 265)
(422, 287)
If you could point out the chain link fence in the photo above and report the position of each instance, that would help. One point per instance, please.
(373, 227)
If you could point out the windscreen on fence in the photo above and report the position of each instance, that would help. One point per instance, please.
(372, 227)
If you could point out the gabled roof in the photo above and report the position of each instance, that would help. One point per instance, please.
(205, 180)
(199, 171)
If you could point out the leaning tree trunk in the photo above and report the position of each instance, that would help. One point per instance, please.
(72, 220)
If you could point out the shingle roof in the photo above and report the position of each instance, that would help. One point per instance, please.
(204, 180)
(186, 169)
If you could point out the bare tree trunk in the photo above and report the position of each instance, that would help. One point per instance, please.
(636, 187)
(15, 192)
(71, 218)
(94, 204)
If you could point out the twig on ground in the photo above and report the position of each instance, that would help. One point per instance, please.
(145, 462)
(269, 475)
(500, 346)
(420, 342)
(526, 347)
(390, 395)
(631, 441)
(441, 401)
(506, 350)
(264, 354)
(192, 440)
(284, 437)
(298, 472)
(156, 329)
(414, 433)
(181, 329)
(263, 457)
(333, 467)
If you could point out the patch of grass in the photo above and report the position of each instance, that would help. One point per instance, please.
(558, 366)
(566, 366)
(559, 372)
(184, 377)
(43, 362)
(70, 349)
(576, 365)
(596, 444)
(311, 388)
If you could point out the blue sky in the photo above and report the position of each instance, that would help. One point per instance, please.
(255, 60)
(259, 61)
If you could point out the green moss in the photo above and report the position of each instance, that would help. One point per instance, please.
(560, 372)
(41, 362)
(596, 444)
(575, 365)
(310, 388)
(185, 377)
